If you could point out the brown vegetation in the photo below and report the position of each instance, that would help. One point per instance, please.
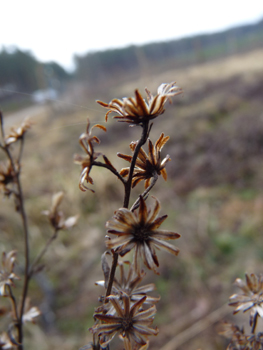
(213, 195)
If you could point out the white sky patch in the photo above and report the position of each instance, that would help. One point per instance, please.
(56, 30)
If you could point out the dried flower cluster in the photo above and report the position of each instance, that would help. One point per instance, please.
(7, 275)
(56, 217)
(137, 110)
(250, 299)
(18, 133)
(127, 309)
(146, 166)
(141, 232)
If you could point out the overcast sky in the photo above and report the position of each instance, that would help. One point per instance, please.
(55, 30)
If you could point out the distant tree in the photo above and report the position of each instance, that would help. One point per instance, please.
(101, 65)
(26, 73)
(18, 68)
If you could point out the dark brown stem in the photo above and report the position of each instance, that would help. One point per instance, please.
(13, 302)
(145, 193)
(26, 278)
(2, 124)
(254, 325)
(127, 194)
(112, 273)
(114, 171)
(140, 143)
(20, 198)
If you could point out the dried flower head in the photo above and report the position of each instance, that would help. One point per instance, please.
(137, 110)
(5, 342)
(239, 341)
(86, 141)
(56, 216)
(128, 283)
(7, 274)
(30, 312)
(7, 176)
(132, 323)
(18, 133)
(140, 231)
(256, 341)
(147, 165)
(251, 297)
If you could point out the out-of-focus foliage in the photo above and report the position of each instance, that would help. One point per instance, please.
(20, 69)
(102, 65)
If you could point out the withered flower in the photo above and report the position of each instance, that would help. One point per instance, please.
(251, 297)
(7, 274)
(56, 217)
(137, 110)
(256, 341)
(132, 323)
(7, 176)
(86, 141)
(5, 342)
(140, 230)
(129, 284)
(239, 341)
(30, 313)
(18, 133)
(147, 165)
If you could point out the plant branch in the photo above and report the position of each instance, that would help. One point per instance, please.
(140, 143)
(13, 302)
(112, 273)
(114, 171)
(254, 325)
(20, 197)
(2, 125)
(127, 194)
(40, 255)
(144, 194)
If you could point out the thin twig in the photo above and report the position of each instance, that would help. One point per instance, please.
(140, 143)
(254, 325)
(2, 124)
(13, 302)
(40, 255)
(112, 273)
(144, 194)
(114, 171)
(127, 194)
(22, 212)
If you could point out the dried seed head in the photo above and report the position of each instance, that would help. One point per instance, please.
(18, 133)
(140, 230)
(136, 110)
(7, 275)
(251, 296)
(7, 176)
(56, 217)
(129, 321)
(87, 141)
(127, 283)
(147, 165)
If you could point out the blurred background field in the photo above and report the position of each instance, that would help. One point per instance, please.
(213, 195)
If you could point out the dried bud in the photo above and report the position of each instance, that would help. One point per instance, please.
(18, 133)
(6, 273)
(56, 217)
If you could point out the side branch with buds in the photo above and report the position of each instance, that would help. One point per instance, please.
(11, 187)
